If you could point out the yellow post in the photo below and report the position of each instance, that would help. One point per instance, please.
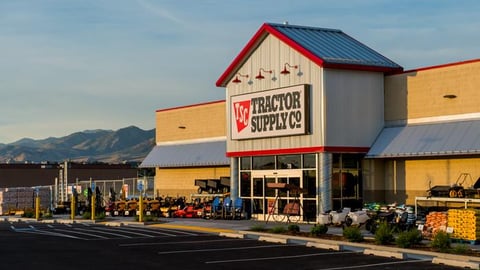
(93, 205)
(140, 216)
(37, 207)
(72, 207)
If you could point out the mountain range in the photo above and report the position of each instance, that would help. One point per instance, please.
(130, 144)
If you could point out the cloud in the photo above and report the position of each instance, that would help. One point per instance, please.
(159, 11)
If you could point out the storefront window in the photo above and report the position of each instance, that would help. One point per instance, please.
(346, 181)
(264, 163)
(289, 162)
(269, 192)
(245, 184)
(309, 161)
(310, 183)
(257, 187)
(245, 163)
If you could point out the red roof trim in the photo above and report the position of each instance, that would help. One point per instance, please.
(336, 149)
(191, 105)
(245, 51)
(441, 66)
(266, 28)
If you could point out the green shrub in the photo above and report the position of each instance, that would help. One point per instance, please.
(100, 216)
(293, 228)
(28, 214)
(258, 228)
(441, 241)
(384, 234)
(278, 229)
(47, 215)
(87, 215)
(353, 234)
(319, 229)
(409, 238)
(460, 249)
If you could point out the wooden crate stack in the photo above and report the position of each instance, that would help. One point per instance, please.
(465, 224)
(435, 222)
(22, 198)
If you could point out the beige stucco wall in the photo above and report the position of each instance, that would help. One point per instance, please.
(426, 89)
(401, 181)
(181, 181)
(200, 121)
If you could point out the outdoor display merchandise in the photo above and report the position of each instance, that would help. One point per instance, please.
(23, 198)
(460, 224)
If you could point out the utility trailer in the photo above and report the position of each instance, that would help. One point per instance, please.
(457, 190)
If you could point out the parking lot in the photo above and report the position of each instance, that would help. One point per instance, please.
(26, 245)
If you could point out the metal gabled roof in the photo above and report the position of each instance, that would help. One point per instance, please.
(438, 139)
(330, 48)
(212, 153)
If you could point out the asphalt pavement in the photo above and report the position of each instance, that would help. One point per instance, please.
(242, 229)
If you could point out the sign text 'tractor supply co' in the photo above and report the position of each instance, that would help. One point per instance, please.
(278, 112)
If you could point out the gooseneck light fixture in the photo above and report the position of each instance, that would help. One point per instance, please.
(286, 71)
(237, 80)
(261, 77)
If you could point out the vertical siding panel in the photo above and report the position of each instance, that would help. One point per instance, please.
(273, 54)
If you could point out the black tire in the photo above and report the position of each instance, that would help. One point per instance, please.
(348, 221)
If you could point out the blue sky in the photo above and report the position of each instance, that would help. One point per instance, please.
(68, 66)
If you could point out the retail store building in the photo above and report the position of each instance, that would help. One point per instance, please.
(317, 109)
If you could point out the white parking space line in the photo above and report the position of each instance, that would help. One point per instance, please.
(282, 257)
(150, 231)
(51, 234)
(108, 233)
(82, 233)
(179, 242)
(221, 249)
(178, 232)
(375, 265)
(126, 231)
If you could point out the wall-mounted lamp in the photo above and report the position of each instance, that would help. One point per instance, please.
(261, 77)
(237, 80)
(286, 71)
(450, 96)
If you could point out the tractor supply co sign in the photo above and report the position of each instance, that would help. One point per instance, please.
(272, 113)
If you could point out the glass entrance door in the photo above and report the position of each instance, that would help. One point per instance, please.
(277, 195)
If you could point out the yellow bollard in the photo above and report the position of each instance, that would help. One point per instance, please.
(37, 207)
(93, 206)
(72, 208)
(140, 216)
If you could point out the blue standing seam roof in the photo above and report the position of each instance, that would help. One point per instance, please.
(439, 139)
(187, 155)
(333, 46)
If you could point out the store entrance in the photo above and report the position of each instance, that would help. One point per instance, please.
(277, 195)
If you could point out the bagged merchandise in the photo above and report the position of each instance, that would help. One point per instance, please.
(435, 221)
(21, 198)
(465, 223)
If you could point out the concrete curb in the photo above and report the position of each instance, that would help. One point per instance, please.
(369, 249)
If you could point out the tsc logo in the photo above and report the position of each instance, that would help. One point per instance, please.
(242, 114)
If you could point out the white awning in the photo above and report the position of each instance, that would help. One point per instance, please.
(187, 155)
(438, 139)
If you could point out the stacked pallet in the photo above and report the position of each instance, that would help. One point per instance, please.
(465, 223)
(22, 198)
(435, 222)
